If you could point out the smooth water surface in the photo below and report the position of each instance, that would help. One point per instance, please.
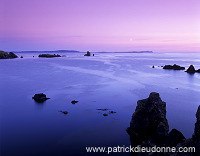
(114, 81)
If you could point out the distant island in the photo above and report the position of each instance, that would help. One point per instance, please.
(128, 52)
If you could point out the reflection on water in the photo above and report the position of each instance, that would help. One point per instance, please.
(112, 81)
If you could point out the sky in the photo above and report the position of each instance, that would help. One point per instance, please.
(100, 25)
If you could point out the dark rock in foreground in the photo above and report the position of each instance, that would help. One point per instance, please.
(196, 135)
(149, 120)
(40, 97)
(5, 55)
(149, 128)
(49, 55)
(174, 138)
(194, 141)
(174, 67)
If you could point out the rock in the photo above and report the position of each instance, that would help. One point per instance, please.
(74, 102)
(153, 66)
(174, 138)
(198, 71)
(112, 112)
(5, 55)
(149, 128)
(196, 135)
(64, 112)
(149, 120)
(40, 97)
(49, 55)
(191, 69)
(12, 55)
(105, 114)
(88, 54)
(194, 141)
(105, 109)
(174, 67)
(21, 57)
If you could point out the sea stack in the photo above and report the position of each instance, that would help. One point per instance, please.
(191, 69)
(88, 54)
(149, 127)
(149, 120)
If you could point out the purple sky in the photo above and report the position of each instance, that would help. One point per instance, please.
(100, 25)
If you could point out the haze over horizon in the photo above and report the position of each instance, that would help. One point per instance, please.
(104, 25)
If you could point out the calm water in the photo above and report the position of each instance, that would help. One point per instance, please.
(114, 81)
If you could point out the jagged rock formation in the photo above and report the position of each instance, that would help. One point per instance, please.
(192, 70)
(49, 55)
(40, 97)
(149, 120)
(196, 135)
(174, 67)
(5, 55)
(194, 141)
(149, 128)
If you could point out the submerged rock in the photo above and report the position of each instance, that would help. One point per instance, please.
(74, 102)
(40, 97)
(5, 55)
(64, 112)
(49, 55)
(104, 109)
(105, 114)
(149, 120)
(174, 67)
(112, 112)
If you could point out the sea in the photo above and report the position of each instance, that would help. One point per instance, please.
(101, 83)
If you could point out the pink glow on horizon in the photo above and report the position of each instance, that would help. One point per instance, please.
(104, 25)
